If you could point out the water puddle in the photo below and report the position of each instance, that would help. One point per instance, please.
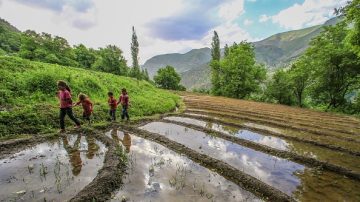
(159, 174)
(274, 171)
(323, 154)
(270, 141)
(51, 171)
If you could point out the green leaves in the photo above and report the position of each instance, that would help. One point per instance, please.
(168, 78)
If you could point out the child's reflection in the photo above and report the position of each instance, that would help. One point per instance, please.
(126, 141)
(92, 147)
(74, 154)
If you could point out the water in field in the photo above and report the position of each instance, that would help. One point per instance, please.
(303, 183)
(323, 154)
(51, 171)
(158, 174)
(274, 171)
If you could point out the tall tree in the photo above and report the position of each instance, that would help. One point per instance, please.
(279, 88)
(135, 71)
(215, 65)
(300, 78)
(226, 50)
(84, 56)
(336, 68)
(242, 75)
(352, 16)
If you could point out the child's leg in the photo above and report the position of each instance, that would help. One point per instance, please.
(114, 114)
(62, 117)
(126, 113)
(123, 112)
(71, 115)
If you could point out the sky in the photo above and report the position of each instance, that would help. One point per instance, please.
(164, 26)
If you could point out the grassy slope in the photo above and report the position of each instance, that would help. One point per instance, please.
(28, 103)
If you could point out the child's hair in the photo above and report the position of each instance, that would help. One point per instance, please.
(110, 94)
(123, 90)
(82, 96)
(64, 84)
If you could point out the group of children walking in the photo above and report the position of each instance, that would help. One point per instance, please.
(66, 104)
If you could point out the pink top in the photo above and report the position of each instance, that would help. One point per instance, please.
(65, 99)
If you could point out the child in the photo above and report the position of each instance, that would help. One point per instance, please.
(124, 100)
(87, 106)
(113, 104)
(64, 95)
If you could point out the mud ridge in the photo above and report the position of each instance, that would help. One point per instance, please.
(245, 181)
(306, 123)
(285, 125)
(311, 162)
(338, 148)
(109, 177)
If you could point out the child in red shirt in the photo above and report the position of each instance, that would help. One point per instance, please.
(64, 95)
(87, 106)
(124, 101)
(113, 105)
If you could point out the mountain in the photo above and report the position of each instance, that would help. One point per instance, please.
(182, 62)
(275, 51)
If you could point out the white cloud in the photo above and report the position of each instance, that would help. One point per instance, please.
(264, 18)
(231, 10)
(309, 13)
(248, 22)
(110, 22)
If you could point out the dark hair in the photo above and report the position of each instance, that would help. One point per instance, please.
(123, 90)
(63, 84)
(110, 94)
(82, 96)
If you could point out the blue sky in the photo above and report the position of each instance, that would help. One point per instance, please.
(165, 26)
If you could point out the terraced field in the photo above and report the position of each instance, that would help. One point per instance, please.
(218, 149)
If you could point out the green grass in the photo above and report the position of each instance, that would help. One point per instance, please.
(28, 104)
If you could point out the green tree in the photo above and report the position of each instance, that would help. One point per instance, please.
(336, 68)
(241, 76)
(226, 50)
(300, 78)
(168, 78)
(352, 16)
(111, 60)
(135, 71)
(280, 89)
(84, 56)
(215, 65)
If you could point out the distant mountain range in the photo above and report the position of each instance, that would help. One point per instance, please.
(276, 51)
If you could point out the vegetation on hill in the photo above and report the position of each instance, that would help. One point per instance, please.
(28, 103)
(56, 50)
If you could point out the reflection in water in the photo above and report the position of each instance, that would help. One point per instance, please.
(50, 171)
(323, 154)
(74, 154)
(93, 148)
(124, 138)
(274, 171)
(159, 174)
(270, 141)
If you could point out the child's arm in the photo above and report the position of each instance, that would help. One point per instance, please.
(76, 104)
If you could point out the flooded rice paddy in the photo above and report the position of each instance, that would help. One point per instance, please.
(304, 149)
(302, 183)
(158, 174)
(272, 170)
(51, 171)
